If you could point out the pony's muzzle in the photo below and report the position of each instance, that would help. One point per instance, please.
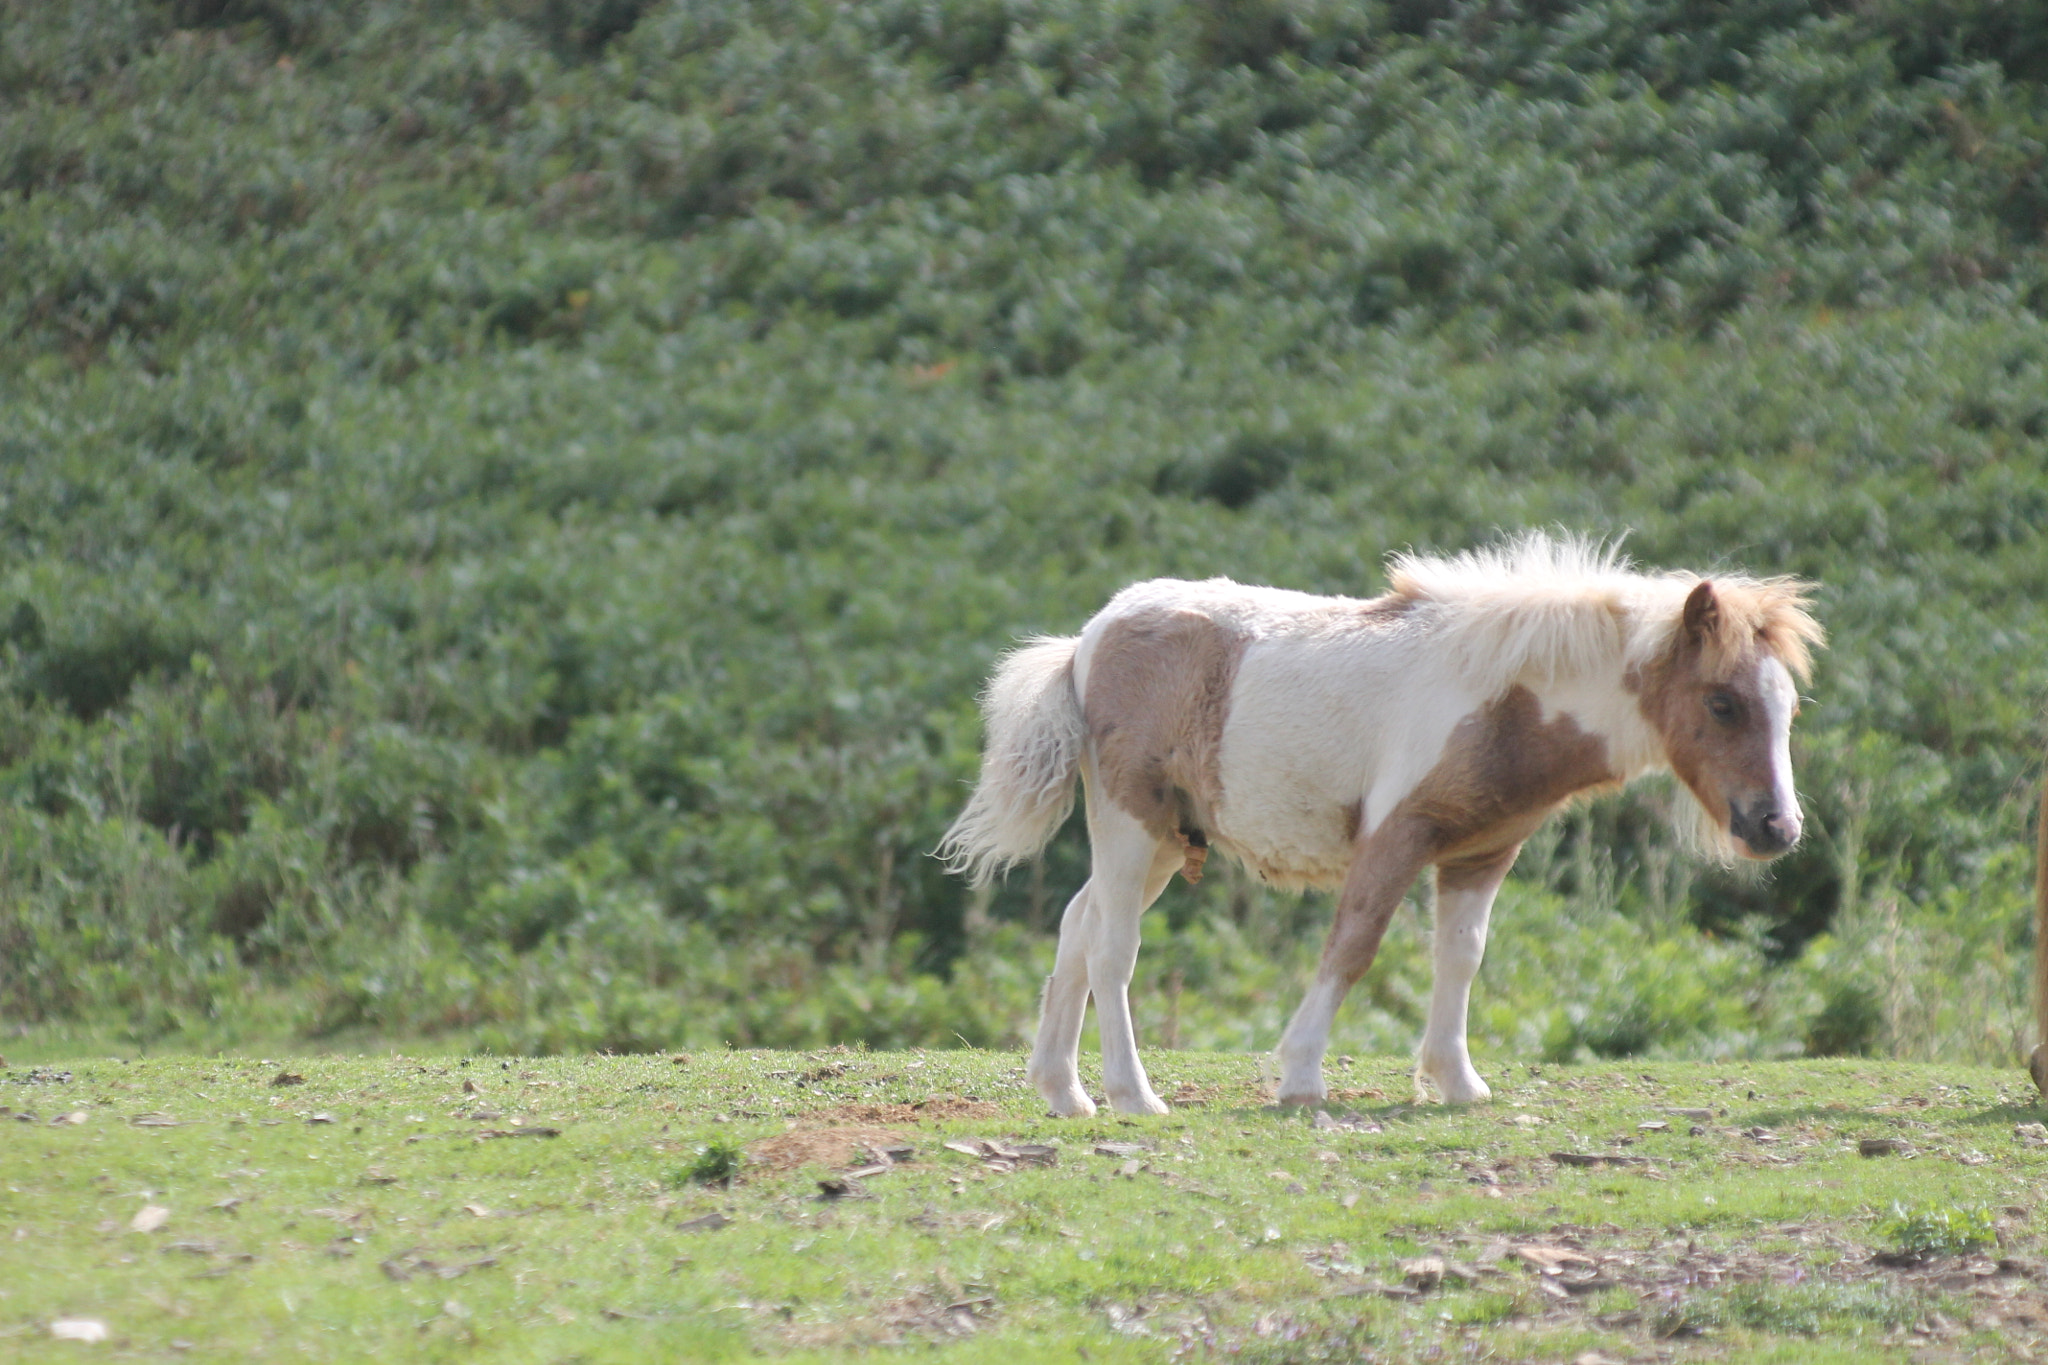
(1765, 830)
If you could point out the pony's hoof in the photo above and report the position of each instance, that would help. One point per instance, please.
(1139, 1104)
(1068, 1102)
(1303, 1098)
(1466, 1089)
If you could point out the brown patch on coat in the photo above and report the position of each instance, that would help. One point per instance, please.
(1158, 694)
(1504, 769)
(1483, 871)
(1352, 819)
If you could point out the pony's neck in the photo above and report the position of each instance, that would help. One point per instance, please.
(1601, 703)
(1600, 688)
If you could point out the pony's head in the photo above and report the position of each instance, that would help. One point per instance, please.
(1721, 696)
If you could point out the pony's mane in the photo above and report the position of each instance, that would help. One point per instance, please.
(1557, 606)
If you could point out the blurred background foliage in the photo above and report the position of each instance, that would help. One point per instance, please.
(505, 505)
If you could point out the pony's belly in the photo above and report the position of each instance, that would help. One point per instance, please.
(1310, 847)
(1290, 810)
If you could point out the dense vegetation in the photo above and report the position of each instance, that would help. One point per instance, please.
(505, 505)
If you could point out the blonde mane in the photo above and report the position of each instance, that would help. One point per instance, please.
(1557, 607)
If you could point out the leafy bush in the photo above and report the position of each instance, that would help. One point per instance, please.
(1808, 1309)
(503, 513)
(716, 1164)
(1939, 1229)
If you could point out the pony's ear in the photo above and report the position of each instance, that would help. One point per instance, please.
(1702, 615)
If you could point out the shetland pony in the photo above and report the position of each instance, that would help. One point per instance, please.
(1336, 742)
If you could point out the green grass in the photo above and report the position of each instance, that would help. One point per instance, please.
(505, 505)
(365, 1212)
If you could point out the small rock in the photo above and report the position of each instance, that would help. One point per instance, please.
(287, 1078)
(1597, 1159)
(1120, 1149)
(1424, 1273)
(1549, 1259)
(78, 1329)
(1884, 1147)
(710, 1222)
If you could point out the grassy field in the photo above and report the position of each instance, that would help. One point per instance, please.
(505, 505)
(430, 1208)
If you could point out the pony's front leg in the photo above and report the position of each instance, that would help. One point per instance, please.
(1464, 900)
(1381, 871)
(1054, 1070)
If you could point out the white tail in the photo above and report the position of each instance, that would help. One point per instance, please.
(1030, 757)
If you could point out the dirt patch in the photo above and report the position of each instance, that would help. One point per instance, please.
(944, 1109)
(834, 1147)
(1188, 1095)
(926, 1315)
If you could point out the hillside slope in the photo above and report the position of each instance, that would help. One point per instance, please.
(505, 507)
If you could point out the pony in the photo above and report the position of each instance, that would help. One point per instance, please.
(1349, 744)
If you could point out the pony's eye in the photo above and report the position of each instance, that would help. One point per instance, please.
(1722, 705)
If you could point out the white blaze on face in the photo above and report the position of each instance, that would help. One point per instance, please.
(1780, 699)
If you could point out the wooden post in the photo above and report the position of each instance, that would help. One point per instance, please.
(2038, 1062)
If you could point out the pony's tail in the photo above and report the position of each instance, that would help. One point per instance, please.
(1029, 760)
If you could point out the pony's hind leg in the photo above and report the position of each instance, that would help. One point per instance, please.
(1054, 1070)
(1131, 867)
(1464, 901)
(1098, 950)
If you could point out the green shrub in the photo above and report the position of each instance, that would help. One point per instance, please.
(504, 509)
(1932, 1229)
(716, 1164)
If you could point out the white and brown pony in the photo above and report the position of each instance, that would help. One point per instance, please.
(1335, 742)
